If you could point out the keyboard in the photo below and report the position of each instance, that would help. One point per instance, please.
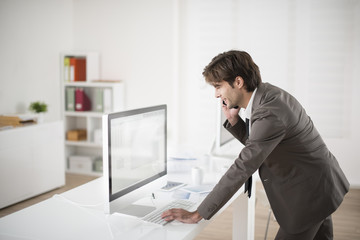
(155, 216)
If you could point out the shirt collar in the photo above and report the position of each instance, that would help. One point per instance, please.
(248, 109)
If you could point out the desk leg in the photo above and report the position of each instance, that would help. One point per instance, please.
(244, 217)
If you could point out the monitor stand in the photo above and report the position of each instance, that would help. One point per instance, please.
(137, 210)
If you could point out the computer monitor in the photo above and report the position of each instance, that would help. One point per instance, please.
(225, 145)
(134, 157)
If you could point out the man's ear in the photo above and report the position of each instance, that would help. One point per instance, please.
(239, 82)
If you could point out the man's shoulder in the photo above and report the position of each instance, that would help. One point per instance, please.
(268, 87)
(275, 101)
(272, 99)
(267, 92)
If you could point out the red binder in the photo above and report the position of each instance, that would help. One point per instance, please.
(77, 69)
(82, 101)
(80, 69)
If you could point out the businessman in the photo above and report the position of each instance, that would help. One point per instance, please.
(302, 179)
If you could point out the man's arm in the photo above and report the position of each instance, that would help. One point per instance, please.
(267, 132)
(181, 215)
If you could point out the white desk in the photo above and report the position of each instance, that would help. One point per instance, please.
(59, 218)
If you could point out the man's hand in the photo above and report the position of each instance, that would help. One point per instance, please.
(232, 114)
(181, 215)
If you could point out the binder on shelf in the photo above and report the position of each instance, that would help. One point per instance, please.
(80, 69)
(67, 69)
(107, 104)
(99, 104)
(98, 165)
(70, 99)
(77, 69)
(82, 101)
(72, 69)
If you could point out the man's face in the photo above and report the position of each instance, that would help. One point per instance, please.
(229, 95)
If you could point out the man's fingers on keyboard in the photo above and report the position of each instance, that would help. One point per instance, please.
(167, 215)
(172, 214)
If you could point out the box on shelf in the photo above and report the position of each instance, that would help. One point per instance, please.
(81, 164)
(76, 135)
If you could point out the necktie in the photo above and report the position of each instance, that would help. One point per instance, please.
(248, 183)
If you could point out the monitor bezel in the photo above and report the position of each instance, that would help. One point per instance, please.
(111, 116)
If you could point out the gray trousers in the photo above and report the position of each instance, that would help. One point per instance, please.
(321, 231)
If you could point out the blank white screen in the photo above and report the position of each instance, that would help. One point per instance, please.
(137, 148)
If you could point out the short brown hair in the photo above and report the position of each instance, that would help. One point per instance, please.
(228, 65)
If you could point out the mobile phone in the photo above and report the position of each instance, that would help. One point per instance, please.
(236, 107)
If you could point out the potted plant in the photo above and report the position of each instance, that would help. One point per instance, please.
(39, 108)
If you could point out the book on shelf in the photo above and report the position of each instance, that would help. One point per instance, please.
(80, 69)
(103, 102)
(82, 101)
(76, 70)
(70, 99)
(72, 69)
(99, 103)
(67, 69)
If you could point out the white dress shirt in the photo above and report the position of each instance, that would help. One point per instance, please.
(246, 113)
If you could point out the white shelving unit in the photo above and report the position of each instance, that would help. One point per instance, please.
(90, 120)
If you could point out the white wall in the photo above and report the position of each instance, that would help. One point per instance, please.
(135, 42)
(32, 34)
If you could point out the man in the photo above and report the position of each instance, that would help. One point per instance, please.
(302, 179)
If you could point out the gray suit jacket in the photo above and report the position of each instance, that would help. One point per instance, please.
(302, 179)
